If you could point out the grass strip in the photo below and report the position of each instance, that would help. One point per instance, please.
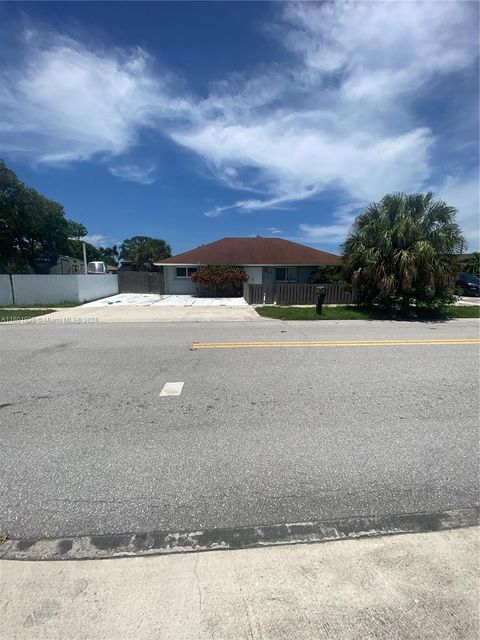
(14, 315)
(360, 313)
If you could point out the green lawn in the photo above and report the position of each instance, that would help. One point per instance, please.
(353, 313)
(463, 312)
(8, 315)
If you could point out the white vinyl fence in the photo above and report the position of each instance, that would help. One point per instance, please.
(93, 287)
(51, 289)
(5, 290)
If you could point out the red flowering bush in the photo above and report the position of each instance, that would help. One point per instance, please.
(219, 280)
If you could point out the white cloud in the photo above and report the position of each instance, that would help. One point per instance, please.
(463, 194)
(274, 230)
(324, 234)
(351, 126)
(335, 233)
(383, 48)
(255, 204)
(99, 240)
(134, 173)
(69, 102)
(338, 116)
(298, 160)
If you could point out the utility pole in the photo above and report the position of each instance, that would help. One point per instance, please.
(85, 257)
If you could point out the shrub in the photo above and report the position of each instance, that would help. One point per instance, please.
(326, 274)
(219, 280)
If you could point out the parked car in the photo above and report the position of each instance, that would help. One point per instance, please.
(97, 267)
(468, 283)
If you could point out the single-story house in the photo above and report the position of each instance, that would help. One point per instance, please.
(266, 261)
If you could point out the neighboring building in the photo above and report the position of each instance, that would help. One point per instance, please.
(266, 261)
(126, 265)
(66, 265)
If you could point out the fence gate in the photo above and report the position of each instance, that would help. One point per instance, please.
(140, 282)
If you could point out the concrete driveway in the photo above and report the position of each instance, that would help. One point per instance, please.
(155, 300)
(150, 307)
(468, 301)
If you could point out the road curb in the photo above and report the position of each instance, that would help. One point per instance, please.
(141, 544)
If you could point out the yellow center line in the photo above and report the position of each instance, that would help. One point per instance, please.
(335, 343)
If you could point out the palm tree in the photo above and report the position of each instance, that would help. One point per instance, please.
(473, 263)
(144, 251)
(402, 249)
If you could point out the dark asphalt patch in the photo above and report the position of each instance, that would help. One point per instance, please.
(139, 544)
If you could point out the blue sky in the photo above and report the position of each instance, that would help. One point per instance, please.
(195, 121)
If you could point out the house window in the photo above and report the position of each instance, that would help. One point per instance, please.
(185, 272)
(286, 274)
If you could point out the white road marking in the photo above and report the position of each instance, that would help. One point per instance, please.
(172, 389)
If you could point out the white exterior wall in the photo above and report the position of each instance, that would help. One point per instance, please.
(51, 289)
(174, 285)
(254, 274)
(5, 290)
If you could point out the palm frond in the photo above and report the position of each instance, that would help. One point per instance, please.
(402, 246)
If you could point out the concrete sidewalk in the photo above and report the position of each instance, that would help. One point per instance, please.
(417, 586)
(468, 301)
(87, 314)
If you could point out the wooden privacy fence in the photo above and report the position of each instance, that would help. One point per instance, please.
(218, 291)
(258, 293)
(289, 294)
(140, 282)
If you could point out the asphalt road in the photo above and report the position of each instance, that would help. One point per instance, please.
(257, 436)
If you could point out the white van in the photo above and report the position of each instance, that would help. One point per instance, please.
(97, 267)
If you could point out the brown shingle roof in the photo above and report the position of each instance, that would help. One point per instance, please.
(251, 251)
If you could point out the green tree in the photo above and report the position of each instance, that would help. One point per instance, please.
(472, 265)
(143, 251)
(109, 255)
(76, 230)
(401, 252)
(75, 249)
(33, 228)
(326, 274)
